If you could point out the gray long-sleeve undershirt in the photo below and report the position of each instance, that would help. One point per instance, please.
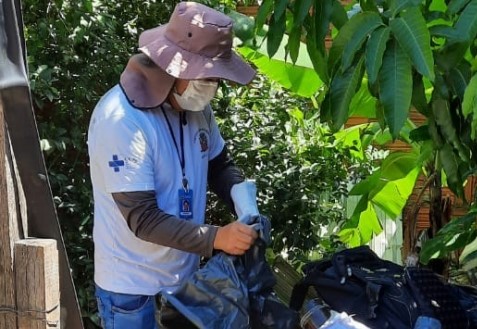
(152, 224)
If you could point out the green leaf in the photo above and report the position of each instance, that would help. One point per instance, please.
(321, 22)
(398, 165)
(453, 236)
(412, 34)
(275, 33)
(397, 6)
(419, 99)
(451, 55)
(364, 20)
(375, 51)
(342, 89)
(363, 30)
(366, 185)
(293, 45)
(469, 105)
(434, 133)
(450, 163)
(301, 9)
(338, 14)
(466, 25)
(263, 11)
(441, 111)
(368, 5)
(458, 78)
(395, 87)
(369, 224)
(280, 8)
(455, 6)
(300, 78)
(393, 196)
(316, 56)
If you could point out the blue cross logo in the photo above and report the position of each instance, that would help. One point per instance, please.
(116, 163)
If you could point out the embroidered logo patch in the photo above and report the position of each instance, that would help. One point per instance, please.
(116, 163)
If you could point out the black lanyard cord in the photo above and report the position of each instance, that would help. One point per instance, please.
(180, 154)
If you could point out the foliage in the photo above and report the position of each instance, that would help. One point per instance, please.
(301, 169)
(411, 54)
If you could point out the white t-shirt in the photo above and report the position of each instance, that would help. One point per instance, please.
(133, 150)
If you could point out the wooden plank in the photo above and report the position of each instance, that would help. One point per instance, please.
(37, 284)
(7, 297)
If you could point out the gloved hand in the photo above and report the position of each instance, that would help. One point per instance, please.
(244, 196)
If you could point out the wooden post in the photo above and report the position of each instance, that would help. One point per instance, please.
(37, 284)
(7, 293)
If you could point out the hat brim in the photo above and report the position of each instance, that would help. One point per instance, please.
(183, 64)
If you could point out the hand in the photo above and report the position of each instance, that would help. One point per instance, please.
(235, 238)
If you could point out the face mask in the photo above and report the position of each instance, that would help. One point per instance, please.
(197, 95)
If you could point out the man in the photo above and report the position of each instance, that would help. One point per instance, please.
(154, 145)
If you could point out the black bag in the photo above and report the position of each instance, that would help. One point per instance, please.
(379, 293)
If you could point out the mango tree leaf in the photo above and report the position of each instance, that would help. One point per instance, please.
(419, 94)
(442, 115)
(458, 78)
(342, 89)
(363, 29)
(321, 22)
(395, 87)
(338, 14)
(374, 52)
(293, 45)
(455, 6)
(279, 8)
(347, 32)
(453, 236)
(466, 25)
(469, 105)
(368, 5)
(316, 56)
(434, 133)
(301, 9)
(450, 164)
(451, 55)
(263, 12)
(275, 33)
(412, 34)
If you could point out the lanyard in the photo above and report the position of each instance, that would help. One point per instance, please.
(185, 183)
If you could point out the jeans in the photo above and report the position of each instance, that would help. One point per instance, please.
(123, 311)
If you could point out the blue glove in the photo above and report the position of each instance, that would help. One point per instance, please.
(244, 196)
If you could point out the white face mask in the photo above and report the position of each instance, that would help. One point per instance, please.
(197, 95)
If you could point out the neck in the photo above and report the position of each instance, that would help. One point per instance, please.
(171, 99)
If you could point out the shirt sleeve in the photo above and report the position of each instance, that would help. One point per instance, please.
(152, 224)
(122, 155)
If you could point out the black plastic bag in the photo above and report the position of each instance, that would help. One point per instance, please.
(234, 293)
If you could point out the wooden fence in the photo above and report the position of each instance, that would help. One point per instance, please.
(29, 268)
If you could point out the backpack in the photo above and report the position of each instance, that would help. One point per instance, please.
(379, 293)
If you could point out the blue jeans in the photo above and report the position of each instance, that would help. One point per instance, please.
(123, 311)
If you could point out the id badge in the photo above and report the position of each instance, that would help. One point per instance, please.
(185, 203)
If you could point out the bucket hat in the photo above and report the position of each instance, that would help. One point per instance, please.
(196, 43)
